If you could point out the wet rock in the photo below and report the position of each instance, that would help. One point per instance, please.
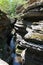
(3, 62)
(32, 20)
(33, 57)
(4, 24)
(20, 28)
(5, 32)
(36, 31)
(23, 8)
(37, 36)
(32, 12)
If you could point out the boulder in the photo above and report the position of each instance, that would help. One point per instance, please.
(3, 62)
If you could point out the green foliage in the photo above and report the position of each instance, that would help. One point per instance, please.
(14, 4)
(9, 6)
(4, 5)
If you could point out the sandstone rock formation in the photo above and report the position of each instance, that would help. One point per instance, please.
(31, 31)
(5, 30)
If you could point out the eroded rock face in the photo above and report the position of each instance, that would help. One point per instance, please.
(32, 23)
(36, 32)
(4, 24)
(5, 30)
(27, 6)
(32, 1)
(33, 57)
(30, 13)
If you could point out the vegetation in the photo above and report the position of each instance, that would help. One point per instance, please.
(9, 6)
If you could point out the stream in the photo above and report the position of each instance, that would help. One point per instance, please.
(13, 54)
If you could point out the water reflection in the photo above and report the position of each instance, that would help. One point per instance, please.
(12, 44)
(13, 55)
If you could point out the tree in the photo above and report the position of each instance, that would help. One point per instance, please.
(9, 6)
(5, 5)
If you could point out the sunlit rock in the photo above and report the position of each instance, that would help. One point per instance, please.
(37, 36)
(3, 62)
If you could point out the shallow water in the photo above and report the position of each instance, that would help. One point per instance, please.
(13, 55)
